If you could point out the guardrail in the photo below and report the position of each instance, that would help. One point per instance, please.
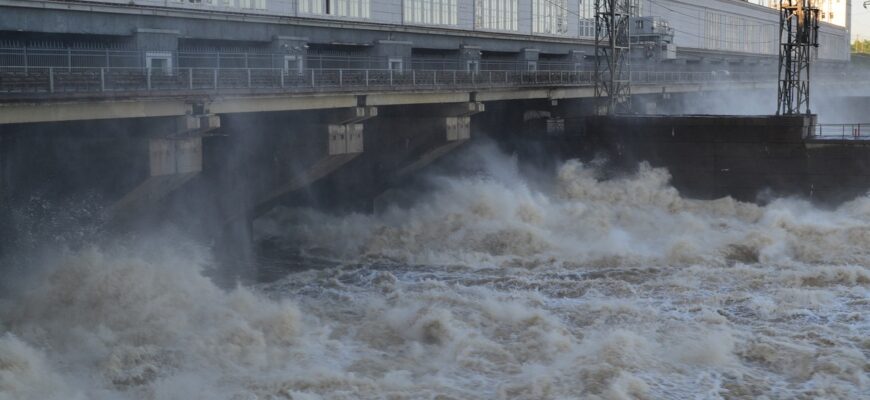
(859, 131)
(65, 80)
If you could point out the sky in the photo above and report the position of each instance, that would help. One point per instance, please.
(860, 20)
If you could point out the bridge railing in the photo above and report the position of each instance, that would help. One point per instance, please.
(67, 80)
(856, 131)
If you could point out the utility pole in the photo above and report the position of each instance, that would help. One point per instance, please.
(798, 33)
(612, 52)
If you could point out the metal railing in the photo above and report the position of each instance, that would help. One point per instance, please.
(195, 58)
(858, 131)
(66, 80)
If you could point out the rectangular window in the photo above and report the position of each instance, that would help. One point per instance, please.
(498, 15)
(550, 17)
(253, 4)
(586, 16)
(430, 12)
(338, 8)
(293, 64)
(158, 62)
(395, 64)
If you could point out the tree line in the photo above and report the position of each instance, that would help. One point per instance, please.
(861, 46)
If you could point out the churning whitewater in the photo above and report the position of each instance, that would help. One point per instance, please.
(491, 285)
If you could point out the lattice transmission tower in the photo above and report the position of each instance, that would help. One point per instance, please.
(612, 53)
(798, 34)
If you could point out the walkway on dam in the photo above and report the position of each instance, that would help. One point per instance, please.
(840, 132)
(18, 81)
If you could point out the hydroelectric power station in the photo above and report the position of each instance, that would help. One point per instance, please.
(210, 113)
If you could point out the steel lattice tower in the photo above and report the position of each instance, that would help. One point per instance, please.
(612, 47)
(798, 33)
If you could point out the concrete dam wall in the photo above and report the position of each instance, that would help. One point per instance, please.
(751, 158)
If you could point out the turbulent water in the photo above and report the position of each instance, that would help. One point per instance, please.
(491, 286)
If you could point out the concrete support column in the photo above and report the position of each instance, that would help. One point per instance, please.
(457, 123)
(396, 54)
(174, 159)
(419, 137)
(6, 231)
(343, 131)
(557, 117)
(175, 156)
(345, 139)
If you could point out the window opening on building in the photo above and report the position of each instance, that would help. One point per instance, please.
(395, 64)
(158, 62)
(293, 64)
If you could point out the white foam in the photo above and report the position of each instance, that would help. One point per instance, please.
(489, 287)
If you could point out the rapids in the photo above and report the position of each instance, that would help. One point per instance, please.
(493, 285)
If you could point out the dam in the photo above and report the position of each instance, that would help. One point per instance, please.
(433, 199)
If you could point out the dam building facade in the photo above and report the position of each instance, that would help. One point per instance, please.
(521, 31)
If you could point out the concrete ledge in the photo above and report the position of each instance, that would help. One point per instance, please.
(289, 102)
(53, 112)
(392, 99)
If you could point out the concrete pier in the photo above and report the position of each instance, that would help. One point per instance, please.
(174, 158)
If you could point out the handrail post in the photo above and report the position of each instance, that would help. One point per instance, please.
(312, 78)
(367, 76)
(215, 78)
(102, 79)
(249, 71)
(148, 78)
(340, 77)
(391, 77)
(413, 77)
(281, 72)
(190, 78)
(51, 79)
(454, 77)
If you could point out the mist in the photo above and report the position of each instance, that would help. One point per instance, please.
(490, 279)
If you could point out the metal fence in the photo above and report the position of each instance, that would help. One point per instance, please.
(34, 71)
(859, 131)
(199, 58)
(36, 80)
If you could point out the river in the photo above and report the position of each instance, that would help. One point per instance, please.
(495, 284)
